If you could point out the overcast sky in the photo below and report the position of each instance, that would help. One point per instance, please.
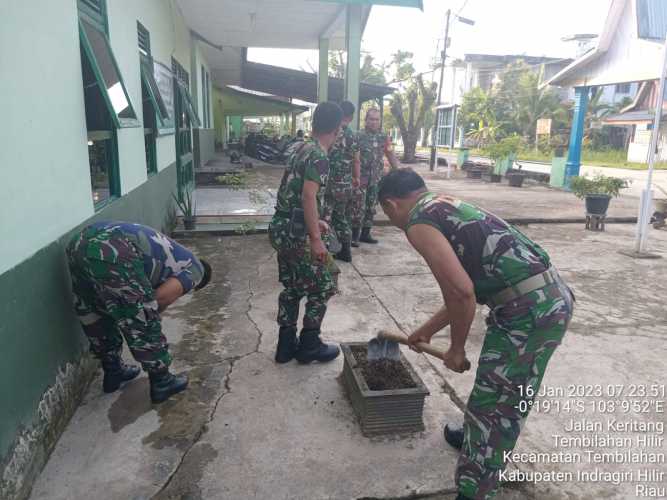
(529, 27)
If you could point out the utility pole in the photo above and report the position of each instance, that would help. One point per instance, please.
(434, 134)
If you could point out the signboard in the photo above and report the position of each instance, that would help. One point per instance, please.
(164, 80)
(543, 126)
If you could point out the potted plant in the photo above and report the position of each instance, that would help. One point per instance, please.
(597, 192)
(503, 154)
(188, 208)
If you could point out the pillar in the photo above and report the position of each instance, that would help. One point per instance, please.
(323, 73)
(577, 134)
(293, 130)
(353, 28)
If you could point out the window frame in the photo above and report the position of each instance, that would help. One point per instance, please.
(90, 54)
(148, 79)
(195, 122)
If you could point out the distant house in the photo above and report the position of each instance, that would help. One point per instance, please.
(628, 54)
(483, 71)
(640, 115)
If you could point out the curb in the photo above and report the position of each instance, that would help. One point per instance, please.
(517, 221)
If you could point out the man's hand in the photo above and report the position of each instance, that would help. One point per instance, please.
(356, 182)
(324, 226)
(417, 337)
(318, 251)
(456, 360)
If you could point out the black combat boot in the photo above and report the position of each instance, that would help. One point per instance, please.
(355, 236)
(454, 436)
(366, 236)
(346, 253)
(287, 344)
(165, 384)
(116, 372)
(311, 348)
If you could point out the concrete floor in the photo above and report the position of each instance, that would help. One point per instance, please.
(250, 429)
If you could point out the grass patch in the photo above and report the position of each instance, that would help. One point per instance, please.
(612, 158)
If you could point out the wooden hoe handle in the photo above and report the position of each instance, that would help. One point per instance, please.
(402, 339)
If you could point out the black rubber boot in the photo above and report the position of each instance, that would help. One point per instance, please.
(454, 436)
(346, 253)
(311, 348)
(355, 237)
(165, 384)
(366, 236)
(461, 497)
(287, 344)
(116, 372)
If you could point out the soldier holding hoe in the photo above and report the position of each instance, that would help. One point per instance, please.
(478, 258)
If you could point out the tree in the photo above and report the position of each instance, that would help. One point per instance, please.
(410, 104)
(370, 72)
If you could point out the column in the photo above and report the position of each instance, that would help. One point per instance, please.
(577, 134)
(323, 74)
(353, 66)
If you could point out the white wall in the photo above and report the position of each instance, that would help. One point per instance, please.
(169, 37)
(44, 155)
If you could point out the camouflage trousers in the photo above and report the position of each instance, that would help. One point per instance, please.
(114, 299)
(300, 277)
(364, 201)
(520, 339)
(339, 211)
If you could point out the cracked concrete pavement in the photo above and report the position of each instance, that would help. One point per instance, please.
(247, 428)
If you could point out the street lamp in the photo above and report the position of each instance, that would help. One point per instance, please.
(434, 134)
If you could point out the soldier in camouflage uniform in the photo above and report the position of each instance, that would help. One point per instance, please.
(303, 259)
(477, 257)
(344, 174)
(374, 145)
(123, 276)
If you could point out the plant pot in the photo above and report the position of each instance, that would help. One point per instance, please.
(496, 177)
(474, 173)
(597, 204)
(515, 180)
(386, 411)
(189, 223)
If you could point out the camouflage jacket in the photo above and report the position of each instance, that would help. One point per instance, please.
(341, 156)
(308, 162)
(163, 257)
(495, 254)
(373, 146)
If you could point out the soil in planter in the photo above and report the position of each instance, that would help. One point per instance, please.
(382, 374)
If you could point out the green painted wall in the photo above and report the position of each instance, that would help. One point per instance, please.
(39, 331)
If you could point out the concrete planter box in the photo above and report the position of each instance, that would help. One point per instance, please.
(383, 412)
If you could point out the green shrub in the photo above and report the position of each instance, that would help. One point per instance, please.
(503, 148)
(600, 184)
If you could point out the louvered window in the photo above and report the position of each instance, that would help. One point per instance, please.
(95, 12)
(144, 39)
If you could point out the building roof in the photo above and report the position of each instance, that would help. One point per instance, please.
(624, 52)
(300, 84)
(630, 118)
(509, 58)
(237, 101)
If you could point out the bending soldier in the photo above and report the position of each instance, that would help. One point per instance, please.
(123, 276)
